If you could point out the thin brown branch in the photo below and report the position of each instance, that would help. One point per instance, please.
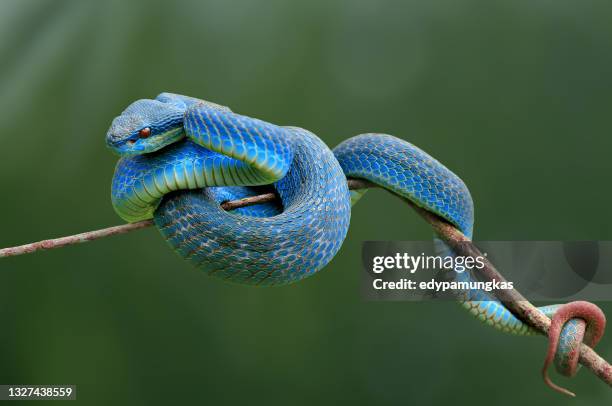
(515, 302)
(73, 239)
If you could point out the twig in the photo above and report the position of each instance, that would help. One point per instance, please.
(513, 300)
(73, 239)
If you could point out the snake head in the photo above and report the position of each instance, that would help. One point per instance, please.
(145, 126)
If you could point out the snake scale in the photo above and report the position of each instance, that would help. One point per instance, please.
(181, 157)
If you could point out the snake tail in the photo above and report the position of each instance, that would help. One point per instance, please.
(595, 322)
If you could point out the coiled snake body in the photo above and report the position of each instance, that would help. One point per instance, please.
(182, 157)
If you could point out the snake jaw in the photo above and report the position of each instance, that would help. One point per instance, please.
(138, 145)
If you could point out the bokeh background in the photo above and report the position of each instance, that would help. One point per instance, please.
(515, 97)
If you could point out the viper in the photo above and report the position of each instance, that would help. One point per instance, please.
(182, 157)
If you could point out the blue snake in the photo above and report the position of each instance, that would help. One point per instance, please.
(181, 157)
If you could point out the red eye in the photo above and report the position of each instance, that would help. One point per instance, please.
(145, 132)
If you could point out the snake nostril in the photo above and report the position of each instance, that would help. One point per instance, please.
(131, 142)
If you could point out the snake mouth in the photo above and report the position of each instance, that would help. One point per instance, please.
(139, 146)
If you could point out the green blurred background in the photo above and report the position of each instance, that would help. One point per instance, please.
(514, 97)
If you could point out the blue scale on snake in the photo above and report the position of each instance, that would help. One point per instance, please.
(181, 157)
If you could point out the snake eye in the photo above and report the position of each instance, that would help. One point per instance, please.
(145, 132)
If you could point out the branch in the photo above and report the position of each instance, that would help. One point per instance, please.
(73, 239)
(512, 299)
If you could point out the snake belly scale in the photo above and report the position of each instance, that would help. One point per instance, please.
(181, 157)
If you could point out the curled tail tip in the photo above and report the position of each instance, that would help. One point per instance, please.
(554, 386)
